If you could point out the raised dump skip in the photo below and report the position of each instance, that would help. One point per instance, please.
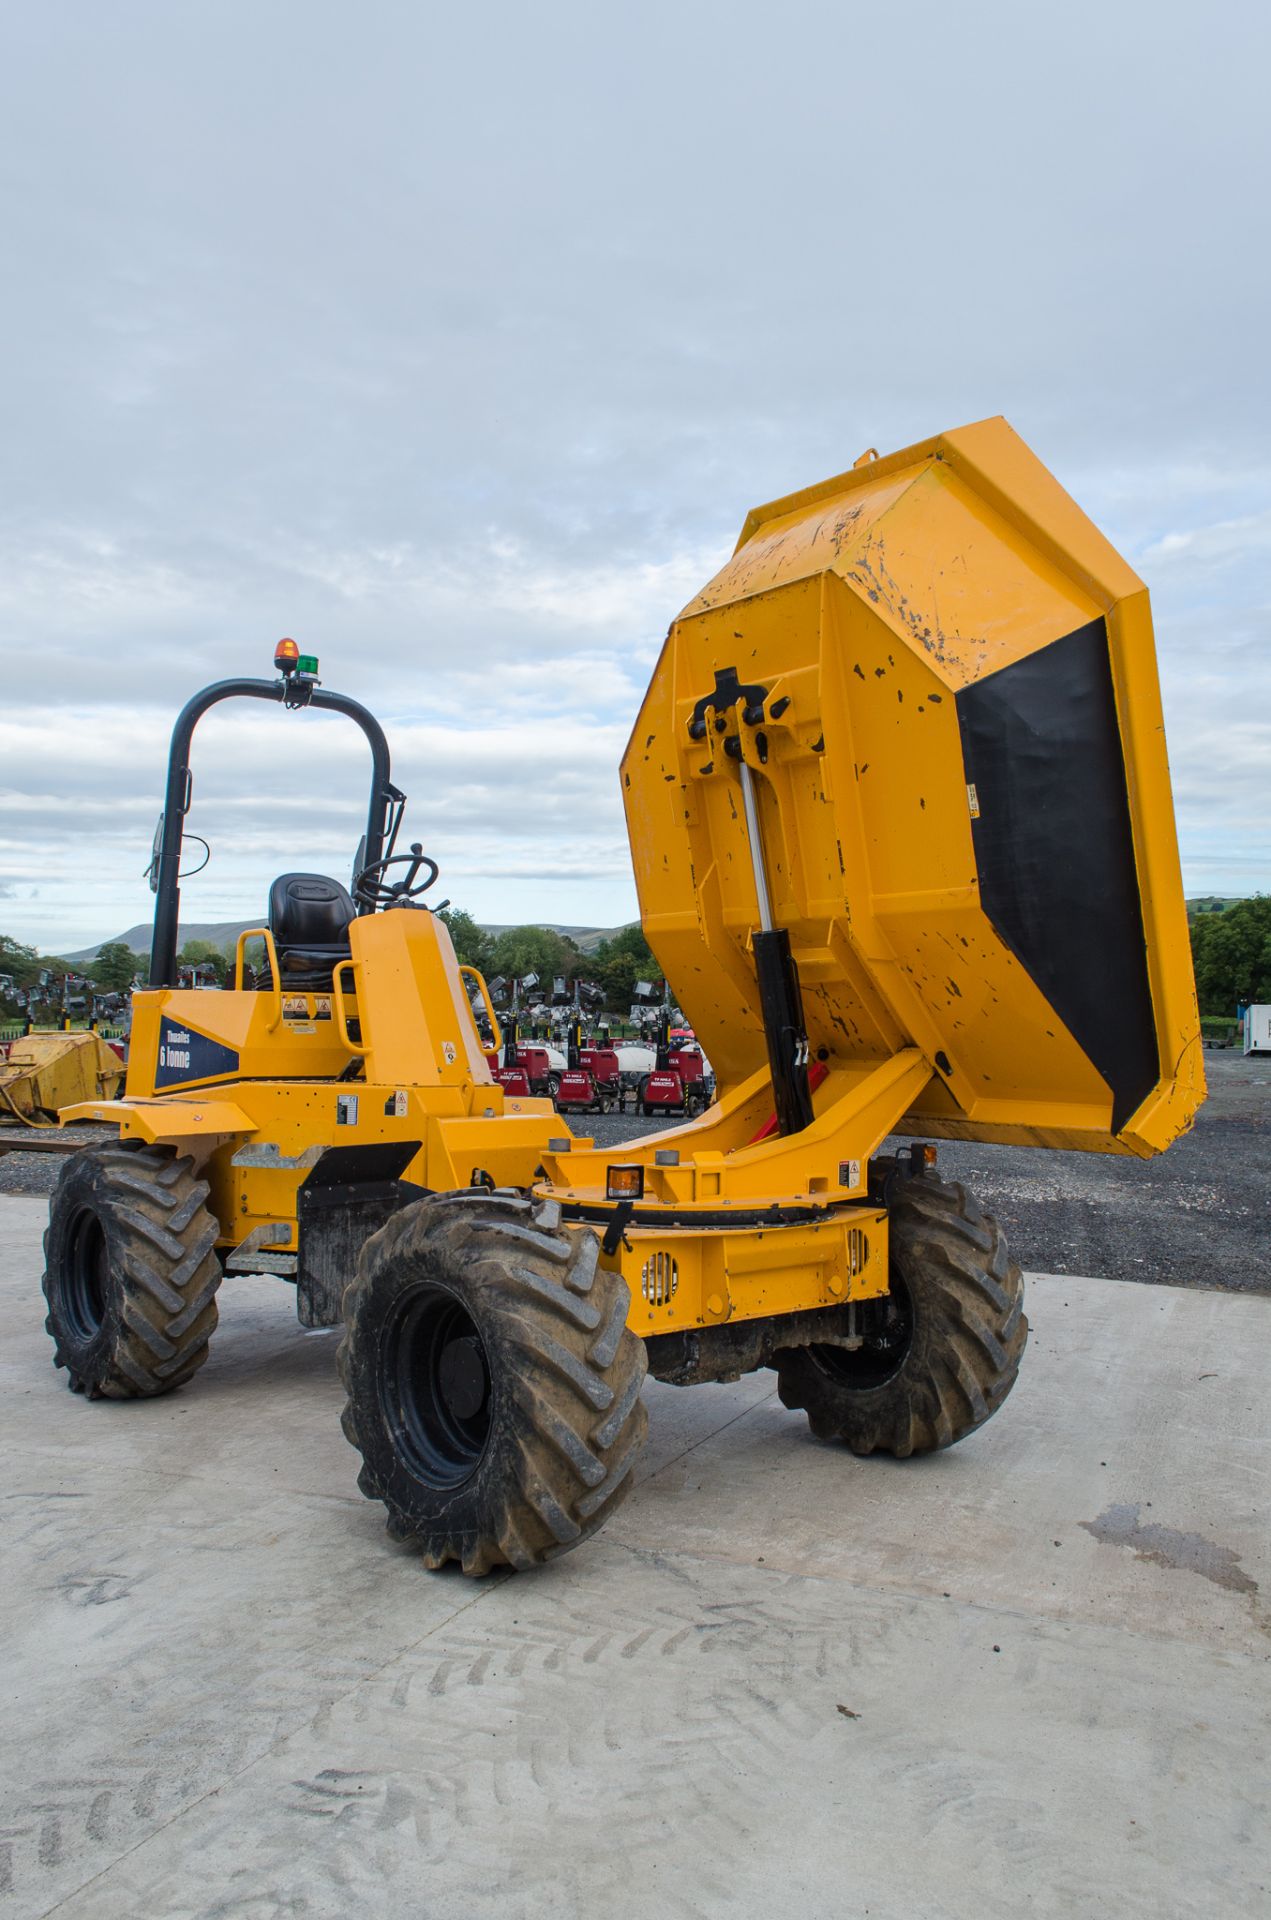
(944, 682)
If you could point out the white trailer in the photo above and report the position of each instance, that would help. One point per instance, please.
(1258, 1029)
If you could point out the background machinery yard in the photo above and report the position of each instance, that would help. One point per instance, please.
(899, 810)
(592, 1080)
(678, 1081)
(43, 1071)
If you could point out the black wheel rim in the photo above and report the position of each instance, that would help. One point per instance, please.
(887, 1327)
(86, 1276)
(435, 1387)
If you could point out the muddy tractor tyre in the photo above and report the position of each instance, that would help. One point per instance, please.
(131, 1272)
(493, 1385)
(940, 1354)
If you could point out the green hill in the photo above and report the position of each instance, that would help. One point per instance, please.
(224, 934)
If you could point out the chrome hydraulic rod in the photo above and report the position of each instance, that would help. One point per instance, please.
(753, 834)
(778, 979)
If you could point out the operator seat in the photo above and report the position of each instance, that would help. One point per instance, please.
(309, 917)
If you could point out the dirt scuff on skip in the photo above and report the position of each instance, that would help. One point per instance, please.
(1119, 1526)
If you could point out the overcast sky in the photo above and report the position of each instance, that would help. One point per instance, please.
(457, 342)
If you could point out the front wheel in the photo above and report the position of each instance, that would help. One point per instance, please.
(131, 1271)
(493, 1385)
(940, 1353)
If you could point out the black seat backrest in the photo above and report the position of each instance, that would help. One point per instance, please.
(308, 912)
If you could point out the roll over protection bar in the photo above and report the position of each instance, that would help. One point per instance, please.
(176, 799)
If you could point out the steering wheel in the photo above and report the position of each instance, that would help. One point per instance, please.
(374, 891)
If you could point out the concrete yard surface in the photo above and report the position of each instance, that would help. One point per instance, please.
(1027, 1676)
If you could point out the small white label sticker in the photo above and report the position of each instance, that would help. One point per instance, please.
(399, 1105)
(449, 1051)
(973, 799)
(849, 1173)
(346, 1110)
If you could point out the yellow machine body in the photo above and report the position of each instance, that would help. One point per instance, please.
(250, 1081)
(950, 713)
(48, 1072)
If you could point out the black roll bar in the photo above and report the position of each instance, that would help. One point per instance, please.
(176, 801)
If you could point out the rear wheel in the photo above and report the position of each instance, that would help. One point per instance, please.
(493, 1385)
(553, 1085)
(940, 1354)
(131, 1272)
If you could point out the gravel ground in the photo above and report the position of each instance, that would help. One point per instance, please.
(612, 1129)
(1199, 1216)
(37, 1172)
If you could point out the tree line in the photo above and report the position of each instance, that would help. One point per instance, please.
(615, 965)
(115, 969)
(1231, 953)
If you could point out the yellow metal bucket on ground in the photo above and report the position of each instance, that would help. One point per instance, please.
(48, 1071)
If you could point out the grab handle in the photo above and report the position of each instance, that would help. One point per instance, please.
(475, 973)
(260, 933)
(341, 1009)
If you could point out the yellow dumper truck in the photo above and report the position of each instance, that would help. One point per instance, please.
(900, 816)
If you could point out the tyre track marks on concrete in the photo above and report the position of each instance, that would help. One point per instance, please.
(503, 1720)
(56, 1832)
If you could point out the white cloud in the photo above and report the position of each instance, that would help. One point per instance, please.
(462, 356)
(1222, 543)
(501, 806)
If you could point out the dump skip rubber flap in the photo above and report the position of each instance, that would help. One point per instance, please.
(1054, 850)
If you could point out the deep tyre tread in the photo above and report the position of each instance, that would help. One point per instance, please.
(153, 1308)
(565, 1419)
(968, 1338)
